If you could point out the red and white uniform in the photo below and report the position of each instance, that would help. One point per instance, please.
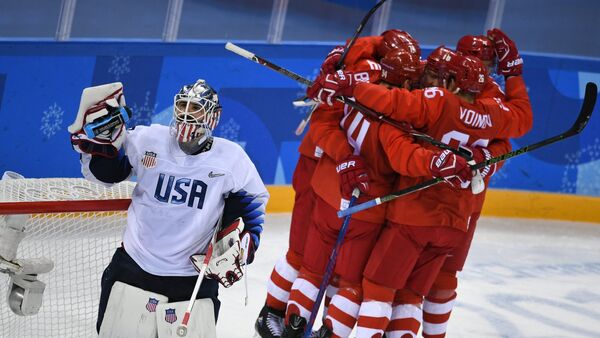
(438, 304)
(358, 136)
(451, 120)
(423, 227)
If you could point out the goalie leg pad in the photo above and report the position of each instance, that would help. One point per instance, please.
(131, 312)
(11, 234)
(201, 323)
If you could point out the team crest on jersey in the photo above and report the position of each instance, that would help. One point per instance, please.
(170, 316)
(149, 159)
(151, 305)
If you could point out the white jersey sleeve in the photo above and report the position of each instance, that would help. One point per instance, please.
(248, 199)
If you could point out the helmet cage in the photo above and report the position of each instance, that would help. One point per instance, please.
(196, 112)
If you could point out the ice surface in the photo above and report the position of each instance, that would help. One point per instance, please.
(523, 278)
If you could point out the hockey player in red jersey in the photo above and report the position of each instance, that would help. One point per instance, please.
(453, 115)
(439, 302)
(352, 173)
(270, 320)
(286, 269)
(399, 68)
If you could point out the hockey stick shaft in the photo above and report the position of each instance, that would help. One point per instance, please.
(329, 268)
(587, 108)
(182, 329)
(400, 125)
(359, 29)
(340, 62)
(261, 61)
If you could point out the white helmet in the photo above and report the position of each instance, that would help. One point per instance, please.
(196, 113)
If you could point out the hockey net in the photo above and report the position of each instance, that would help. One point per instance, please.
(79, 240)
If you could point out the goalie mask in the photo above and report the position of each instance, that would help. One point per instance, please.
(196, 112)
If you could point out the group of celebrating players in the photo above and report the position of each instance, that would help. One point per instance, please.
(398, 264)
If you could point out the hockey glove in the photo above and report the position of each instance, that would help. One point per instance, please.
(353, 174)
(330, 64)
(341, 83)
(228, 253)
(99, 128)
(452, 168)
(510, 62)
(480, 154)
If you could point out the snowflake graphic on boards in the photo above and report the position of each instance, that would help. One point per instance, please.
(119, 66)
(52, 119)
(229, 130)
(301, 93)
(142, 115)
(585, 181)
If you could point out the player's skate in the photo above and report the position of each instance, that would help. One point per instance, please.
(269, 323)
(295, 327)
(323, 332)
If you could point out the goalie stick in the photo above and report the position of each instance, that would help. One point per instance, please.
(340, 63)
(477, 182)
(587, 107)
(329, 268)
(182, 329)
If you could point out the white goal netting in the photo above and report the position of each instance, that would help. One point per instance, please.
(79, 243)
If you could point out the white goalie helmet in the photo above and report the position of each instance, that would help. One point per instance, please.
(196, 113)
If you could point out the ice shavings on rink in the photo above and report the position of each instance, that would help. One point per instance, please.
(523, 278)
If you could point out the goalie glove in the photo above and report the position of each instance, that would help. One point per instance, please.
(228, 255)
(99, 128)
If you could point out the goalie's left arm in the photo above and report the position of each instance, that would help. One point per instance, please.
(247, 200)
(99, 132)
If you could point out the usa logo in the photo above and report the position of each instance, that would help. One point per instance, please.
(149, 159)
(170, 316)
(151, 305)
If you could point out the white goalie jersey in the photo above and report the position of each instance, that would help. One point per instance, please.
(179, 198)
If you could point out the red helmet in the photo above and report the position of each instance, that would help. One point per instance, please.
(478, 46)
(434, 59)
(399, 65)
(397, 39)
(469, 72)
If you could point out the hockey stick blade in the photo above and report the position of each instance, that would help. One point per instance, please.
(585, 113)
(587, 108)
(304, 122)
(359, 29)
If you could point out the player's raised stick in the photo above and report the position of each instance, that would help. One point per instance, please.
(359, 29)
(340, 63)
(587, 107)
